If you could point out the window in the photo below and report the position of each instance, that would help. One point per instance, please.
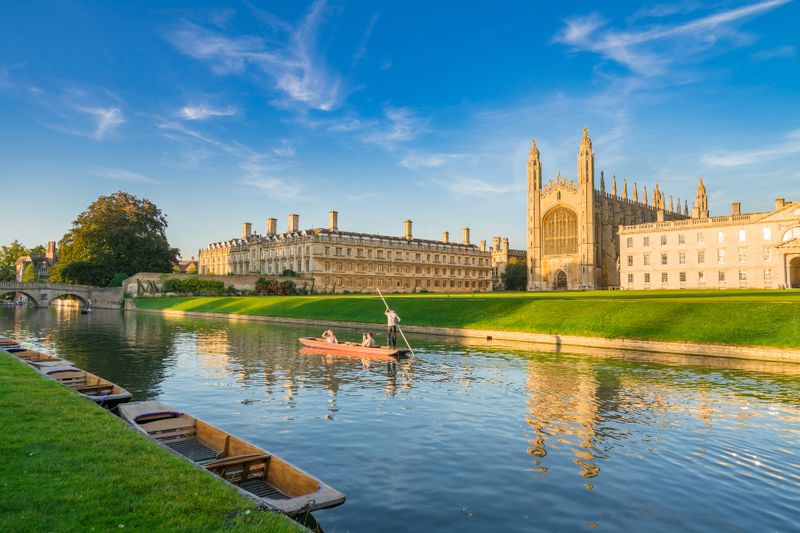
(560, 232)
(721, 275)
(768, 254)
(720, 236)
(664, 277)
(742, 275)
(630, 242)
(742, 253)
(721, 257)
(646, 259)
(701, 277)
(681, 238)
(767, 274)
(338, 251)
(767, 233)
(663, 259)
(327, 250)
(700, 237)
(682, 258)
(682, 276)
(630, 278)
(630, 260)
(647, 241)
(647, 277)
(701, 257)
(742, 235)
(663, 240)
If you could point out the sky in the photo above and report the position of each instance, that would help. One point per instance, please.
(223, 113)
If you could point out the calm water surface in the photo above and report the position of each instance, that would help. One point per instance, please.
(470, 439)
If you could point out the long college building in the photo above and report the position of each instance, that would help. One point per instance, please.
(355, 262)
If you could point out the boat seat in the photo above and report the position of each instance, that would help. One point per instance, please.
(241, 468)
(88, 389)
(170, 430)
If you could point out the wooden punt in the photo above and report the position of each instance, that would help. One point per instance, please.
(95, 388)
(260, 475)
(39, 359)
(351, 348)
(6, 343)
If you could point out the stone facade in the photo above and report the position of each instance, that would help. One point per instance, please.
(356, 262)
(754, 250)
(42, 264)
(502, 257)
(572, 227)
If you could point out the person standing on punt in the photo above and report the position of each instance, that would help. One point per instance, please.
(392, 321)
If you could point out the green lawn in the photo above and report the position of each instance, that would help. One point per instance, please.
(68, 465)
(742, 317)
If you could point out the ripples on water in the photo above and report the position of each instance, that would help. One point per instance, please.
(470, 439)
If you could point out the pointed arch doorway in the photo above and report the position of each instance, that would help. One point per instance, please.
(794, 273)
(560, 281)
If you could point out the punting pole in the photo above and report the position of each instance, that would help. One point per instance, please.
(410, 349)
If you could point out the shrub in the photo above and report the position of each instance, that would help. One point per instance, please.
(30, 274)
(117, 280)
(193, 286)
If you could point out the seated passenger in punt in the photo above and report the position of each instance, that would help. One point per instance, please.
(368, 340)
(329, 337)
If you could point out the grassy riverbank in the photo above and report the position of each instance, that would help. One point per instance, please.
(740, 317)
(68, 465)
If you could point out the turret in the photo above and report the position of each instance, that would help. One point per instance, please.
(586, 161)
(625, 188)
(700, 209)
(534, 167)
(614, 185)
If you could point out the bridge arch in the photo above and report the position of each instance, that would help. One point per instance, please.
(29, 294)
(51, 299)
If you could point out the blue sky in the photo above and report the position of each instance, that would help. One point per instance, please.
(228, 112)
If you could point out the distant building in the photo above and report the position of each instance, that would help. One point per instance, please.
(753, 250)
(502, 258)
(187, 266)
(41, 264)
(355, 262)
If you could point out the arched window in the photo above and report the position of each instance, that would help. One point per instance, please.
(560, 231)
(790, 234)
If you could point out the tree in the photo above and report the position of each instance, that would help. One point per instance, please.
(117, 280)
(192, 269)
(38, 251)
(8, 260)
(515, 278)
(30, 274)
(116, 233)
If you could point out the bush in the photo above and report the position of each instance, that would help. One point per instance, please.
(193, 286)
(30, 274)
(288, 273)
(273, 287)
(117, 280)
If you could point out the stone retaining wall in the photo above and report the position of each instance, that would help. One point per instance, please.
(152, 281)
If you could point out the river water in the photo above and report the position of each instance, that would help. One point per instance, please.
(470, 439)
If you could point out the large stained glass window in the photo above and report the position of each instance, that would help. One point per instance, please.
(560, 232)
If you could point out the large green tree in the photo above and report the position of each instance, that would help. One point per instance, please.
(117, 233)
(515, 278)
(8, 259)
(30, 274)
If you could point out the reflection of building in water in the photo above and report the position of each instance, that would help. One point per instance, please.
(563, 409)
(213, 348)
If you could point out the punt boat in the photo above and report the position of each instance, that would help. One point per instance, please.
(351, 348)
(260, 475)
(95, 388)
(7, 344)
(39, 359)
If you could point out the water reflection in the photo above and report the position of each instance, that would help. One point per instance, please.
(470, 438)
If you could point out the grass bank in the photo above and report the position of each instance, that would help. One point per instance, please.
(67, 465)
(739, 317)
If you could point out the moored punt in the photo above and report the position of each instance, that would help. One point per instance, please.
(260, 475)
(95, 388)
(7, 344)
(39, 359)
(351, 348)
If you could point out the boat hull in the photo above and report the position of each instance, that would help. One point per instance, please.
(351, 348)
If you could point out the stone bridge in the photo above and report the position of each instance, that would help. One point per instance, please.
(41, 294)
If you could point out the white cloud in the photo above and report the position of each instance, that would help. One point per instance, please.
(415, 160)
(202, 112)
(296, 66)
(401, 125)
(630, 48)
(107, 119)
(774, 53)
(737, 158)
(465, 186)
(123, 175)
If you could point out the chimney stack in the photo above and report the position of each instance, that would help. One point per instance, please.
(736, 208)
(483, 246)
(445, 236)
(505, 244)
(779, 203)
(272, 226)
(247, 230)
(495, 244)
(465, 236)
(407, 230)
(51, 251)
(294, 223)
(333, 221)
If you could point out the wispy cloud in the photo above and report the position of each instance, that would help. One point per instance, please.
(415, 159)
(361, 51)
(466, 186)
(401, 124)
(737, 158)
(296, 66)
(202, 112)
(107, 119)
(123, 175)
(646, 52)
(259, 176)
(774, 53)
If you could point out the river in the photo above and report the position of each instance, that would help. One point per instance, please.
(469, 438)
